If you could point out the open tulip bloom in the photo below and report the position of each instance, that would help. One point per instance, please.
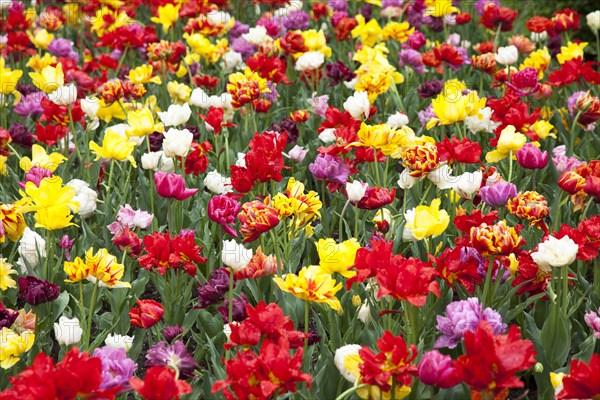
(277, 199)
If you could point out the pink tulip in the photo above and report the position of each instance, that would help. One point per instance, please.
(172, 186)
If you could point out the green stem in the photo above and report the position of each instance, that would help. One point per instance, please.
(73, 133)
(376, 165)
(277, 251)
(356, 222)
(49, 253)
(565, 289)
(510, 165)
(340, 228)
(306, 315)
(350, 391)
(110, 175)
(230, 296)
(93, 302)
(572, 135)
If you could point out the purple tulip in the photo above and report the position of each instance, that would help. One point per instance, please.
(214, 289)
(117, 368)
(531, 157)
(464, 316)
(35, 291)
(330, 167)
(66, 244)
(498, 194)
(174, 356)
(35, 175)
(239, 309)
(7, 317)
(171, 332)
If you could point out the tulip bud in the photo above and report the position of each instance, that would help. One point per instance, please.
(67, 331)
(531, 157)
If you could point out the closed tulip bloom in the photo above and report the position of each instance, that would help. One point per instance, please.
(498, 194)
(67, 331)
(356, 190)
(507, 55)
(172, 186)
(146, 314)
(436, 369)
(531, 157)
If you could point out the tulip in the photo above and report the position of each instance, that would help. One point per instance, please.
(531, 157)
(555, 252)
(147, 313)
(172, 186)
(507, 55)
(593, 20)
(235, 256)
(177, 143)
(330, 167)
(498, 194)
(224, 210)
(356, 190)
(67, 331)
(119, 341)
(35, 291)
(436, 369)
(358, 105)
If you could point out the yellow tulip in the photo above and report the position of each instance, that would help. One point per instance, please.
(39, 158)
(52, 202)
(337, 257)
(440, 8)
(50, 79)
(315, 41)
(41, 39)
(428, 220)
(452, 106)
(143, 74)
(12, 220)
(510, 141)
(390, 141)
(13, 345)
(179, 92)
(38, 63)
(399, 31)
(8, 78)
(571, 51)
(6, 270)
(100, 266)
(367, 31)
(539, 59)
(312, 284)
(167, 16)
(114, 147)
(141, 123)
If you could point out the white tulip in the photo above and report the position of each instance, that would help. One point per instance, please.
(30, 245)
(217, 183)
(507, 55)
(340, 358)
(407, 181)
(442, 177)
(309, 61)
(364, 313)
(67, 331)
(156, 160)
(482, 122)
(119, 341)
(85, 196)
(327, 135)
(235, 255)
(397, 120)
(177, 143)
(468, 184)
(593, 20)
(199, 98)
(358, 105)
(64, 95)
(555, 252)
(256, 35)
(90, 106)
(356, 190)
(175, 115)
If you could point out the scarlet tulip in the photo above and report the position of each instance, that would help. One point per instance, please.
(146, 314)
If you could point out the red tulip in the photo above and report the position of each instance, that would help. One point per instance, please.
(160, 384)
(146, 314)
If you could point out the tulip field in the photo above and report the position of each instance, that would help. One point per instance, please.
(285, 199)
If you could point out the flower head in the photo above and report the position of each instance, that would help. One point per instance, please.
(312, 284)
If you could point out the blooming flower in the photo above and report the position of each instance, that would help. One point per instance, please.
(235, 256)
(436, 369)
(6, 271)
(13, 345)
(100, 267)
(334, 257)
(464, 316)
(52, 203)
(329, 167)
(425, 221)
(160, 383)
(35, 291)
(555, 252)
(256, 218)
(509, 143)
(115, 146)
(117, 368)
(312, 284)
(174, 356)
(39, 158)
(592, 319)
